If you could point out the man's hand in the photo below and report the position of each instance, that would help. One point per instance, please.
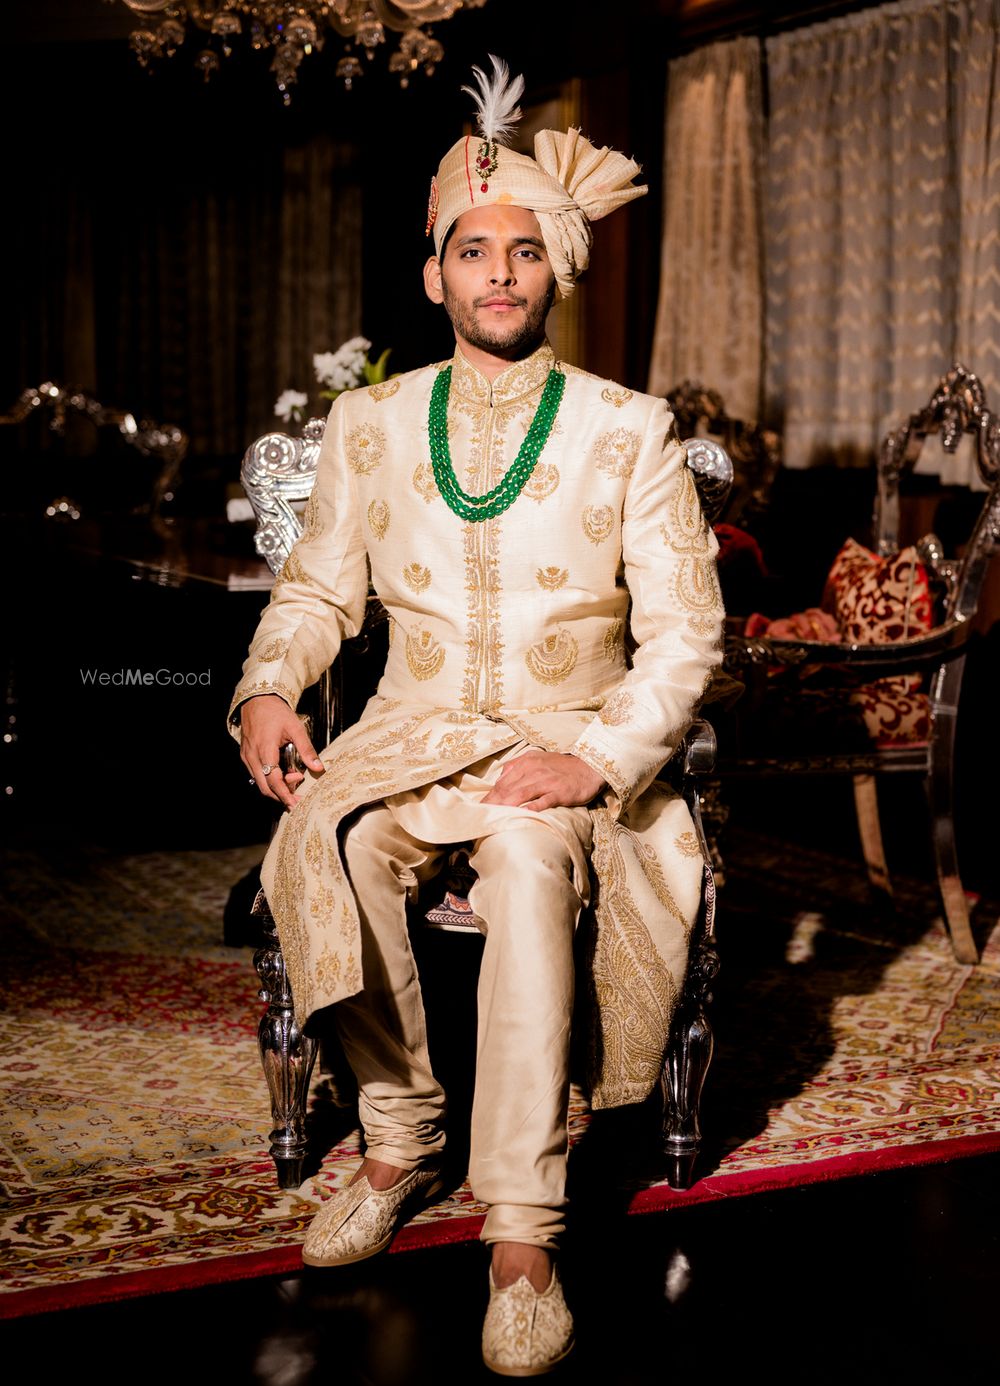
(268, 724)
(546, 779)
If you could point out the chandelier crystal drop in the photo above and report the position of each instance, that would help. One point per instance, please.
(292, 30)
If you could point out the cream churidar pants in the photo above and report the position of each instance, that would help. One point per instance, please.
(533, 882)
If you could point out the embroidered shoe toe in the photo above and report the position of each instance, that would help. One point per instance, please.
(360, 1221)
(526, 1333)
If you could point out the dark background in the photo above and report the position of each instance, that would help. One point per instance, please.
(107, 168)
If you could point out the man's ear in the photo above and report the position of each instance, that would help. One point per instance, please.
(432, 280)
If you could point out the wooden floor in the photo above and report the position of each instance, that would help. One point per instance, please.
(885, 1278)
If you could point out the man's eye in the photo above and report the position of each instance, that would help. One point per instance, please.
(468, 254)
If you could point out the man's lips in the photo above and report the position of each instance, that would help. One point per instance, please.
(500, 304)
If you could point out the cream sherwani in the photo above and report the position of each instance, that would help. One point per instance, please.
(504, 635)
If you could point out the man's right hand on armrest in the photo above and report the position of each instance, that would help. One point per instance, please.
(268, 723)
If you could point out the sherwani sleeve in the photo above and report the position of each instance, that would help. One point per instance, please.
(320, 594)
(668, 555)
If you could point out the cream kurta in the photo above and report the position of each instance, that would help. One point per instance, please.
(511, 630)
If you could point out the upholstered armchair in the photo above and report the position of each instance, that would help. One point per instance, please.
(278, 473)
(883, 698)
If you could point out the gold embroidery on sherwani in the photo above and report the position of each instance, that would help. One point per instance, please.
(597, 760)
(616, 396)
(598, 521)
(416, 577)
(552, 578)
(424, 483)
(553, 659)
(703, 625)
(385, 389)
(273, 650)
(328, 969)
(365, 447)
(492, 412)
(696, 586)
(455, 744)
(628, 978)
(618, 709)
(379, 517)
(424, 654)
(652, 869)
(688, 845)
(312, 526)
(415, 746)
(686, 533)
(250, 690)
(616, 453)
(293, 571)
(613, 639)
(542, 481)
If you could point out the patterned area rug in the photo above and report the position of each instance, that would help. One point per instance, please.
(133, 1147)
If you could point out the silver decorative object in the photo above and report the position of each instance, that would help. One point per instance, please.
(165, 444)
(277, 470)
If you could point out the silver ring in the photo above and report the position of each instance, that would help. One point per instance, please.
(265, 770)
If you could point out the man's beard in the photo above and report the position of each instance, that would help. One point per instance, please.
(510, 341)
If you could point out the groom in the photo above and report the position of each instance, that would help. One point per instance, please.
(514, 513)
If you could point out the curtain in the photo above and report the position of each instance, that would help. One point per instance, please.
(883, 218)
(709, 315)
(214, 302)
(191, 287)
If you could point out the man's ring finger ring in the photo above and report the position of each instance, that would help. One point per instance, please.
(265, 770)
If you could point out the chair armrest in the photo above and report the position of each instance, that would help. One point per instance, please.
(912, 655)
(698, 749)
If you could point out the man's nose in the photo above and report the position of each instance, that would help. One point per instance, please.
(501, 272)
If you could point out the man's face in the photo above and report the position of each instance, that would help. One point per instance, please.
(494, 280)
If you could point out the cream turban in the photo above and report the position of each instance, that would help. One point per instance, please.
(568, 184)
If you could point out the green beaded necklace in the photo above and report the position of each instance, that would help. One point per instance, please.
(503, 495)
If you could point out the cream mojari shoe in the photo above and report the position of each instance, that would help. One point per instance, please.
(360, 1221)
(526, 1333)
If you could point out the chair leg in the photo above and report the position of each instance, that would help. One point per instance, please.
(689, 1053)
(286, 1054)
(870, 832)
(941, 799)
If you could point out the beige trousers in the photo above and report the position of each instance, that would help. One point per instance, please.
(531, 887)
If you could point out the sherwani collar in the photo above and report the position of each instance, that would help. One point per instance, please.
(518, 380)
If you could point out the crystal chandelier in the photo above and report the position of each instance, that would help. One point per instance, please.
(293, 29)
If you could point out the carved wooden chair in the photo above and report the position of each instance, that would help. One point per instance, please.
(279, 471)
(862, 728)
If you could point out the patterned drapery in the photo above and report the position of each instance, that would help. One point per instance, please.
(709, 316)
(883, 220)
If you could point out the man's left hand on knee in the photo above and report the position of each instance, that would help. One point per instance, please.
(546, 779)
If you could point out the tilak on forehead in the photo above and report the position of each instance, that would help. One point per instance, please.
(568, 184)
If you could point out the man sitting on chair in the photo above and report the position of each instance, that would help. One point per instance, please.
(515, 513)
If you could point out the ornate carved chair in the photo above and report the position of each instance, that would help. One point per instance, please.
(163, 446)
(278, 471)
(861, 706)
